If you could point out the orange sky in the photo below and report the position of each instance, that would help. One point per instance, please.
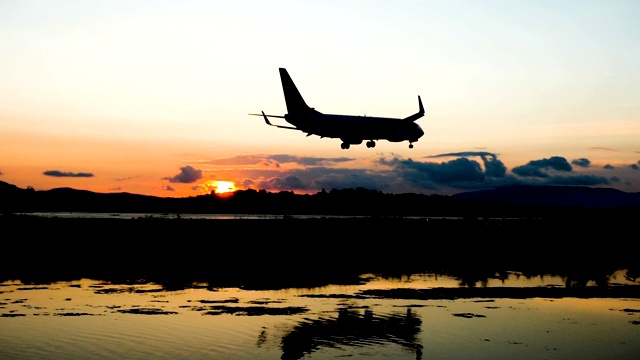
(153, 97)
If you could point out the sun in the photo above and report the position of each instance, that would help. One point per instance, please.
(223, 187)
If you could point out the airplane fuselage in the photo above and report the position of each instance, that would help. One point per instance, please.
(351, 129)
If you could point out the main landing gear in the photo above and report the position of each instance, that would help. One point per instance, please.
(370, 144)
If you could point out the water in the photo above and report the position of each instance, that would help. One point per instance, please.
(93, 319)
(147, 289)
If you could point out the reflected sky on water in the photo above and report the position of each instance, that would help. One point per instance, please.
(96, 319)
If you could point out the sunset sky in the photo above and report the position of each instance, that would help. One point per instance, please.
(153, 97)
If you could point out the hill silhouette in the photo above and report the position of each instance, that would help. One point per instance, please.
(511, 201)
(471, 235)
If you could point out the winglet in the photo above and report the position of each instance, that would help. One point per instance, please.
(265, 118)
(417, 115)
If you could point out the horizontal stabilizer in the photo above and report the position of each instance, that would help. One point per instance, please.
(266, 119)
(276, 116)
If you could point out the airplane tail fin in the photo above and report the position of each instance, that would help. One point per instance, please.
(295, 103)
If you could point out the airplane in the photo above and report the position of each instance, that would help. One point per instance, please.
(351, 129)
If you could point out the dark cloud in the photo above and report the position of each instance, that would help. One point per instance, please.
(472, 170)
(493, 167)
(538, 168)
(287, 183)
(449, 172)
(314, 179)
(58, 173)
(187, 175)
(608, 167)
(403, 175)
(634, 166)
(246, 183)
(349, 178)
(582, 162)
(168, 188)
(529, 171)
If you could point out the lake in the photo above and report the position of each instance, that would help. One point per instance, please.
(149, 288)
(91, 319)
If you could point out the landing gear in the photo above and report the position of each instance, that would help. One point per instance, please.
(344, 146)
(410, 146)
(371, 144)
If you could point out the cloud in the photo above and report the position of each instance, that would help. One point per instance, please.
(287, 183)
(537, 168)
(582, 162)
(493, 166)
(187, 175)
(449, 172)
(394, 174)
(460, 171)
(58, 173)
(608, 167)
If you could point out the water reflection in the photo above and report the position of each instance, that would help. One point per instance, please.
(353, 327)
(377, 318)
(274, 278)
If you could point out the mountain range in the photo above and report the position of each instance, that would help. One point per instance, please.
(511, 201)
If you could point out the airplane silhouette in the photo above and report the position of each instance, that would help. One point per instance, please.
(351, 129)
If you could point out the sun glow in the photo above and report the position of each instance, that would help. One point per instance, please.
(222, 187)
